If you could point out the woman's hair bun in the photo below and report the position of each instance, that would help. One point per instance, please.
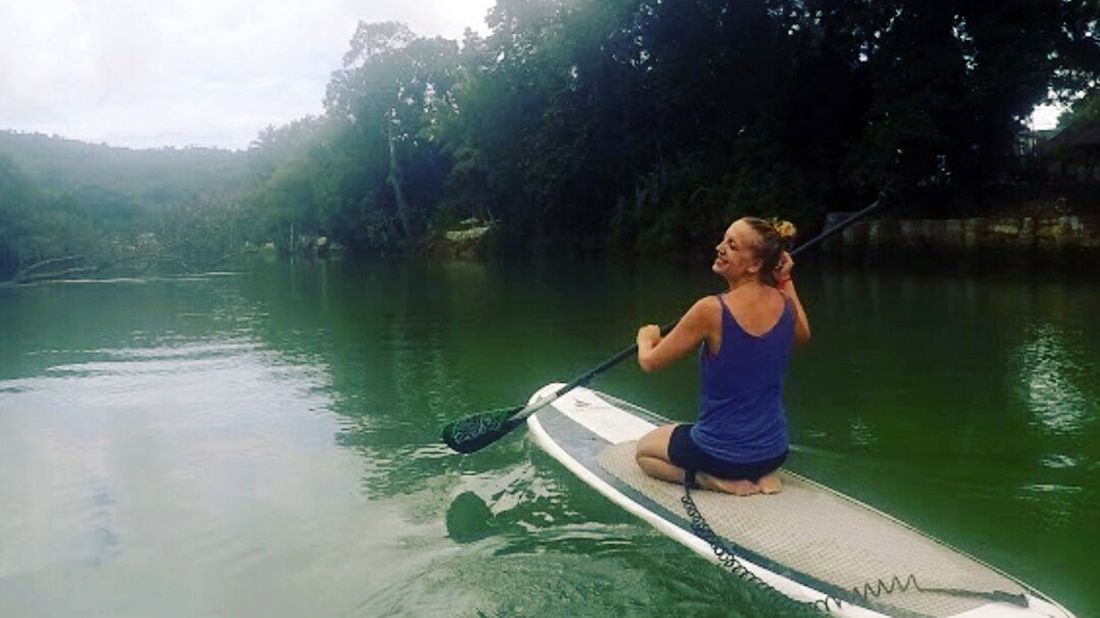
(785, 229)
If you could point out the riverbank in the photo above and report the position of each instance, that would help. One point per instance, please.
(469, 241)
(1027, 237)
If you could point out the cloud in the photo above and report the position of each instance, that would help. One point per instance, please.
(186, 72)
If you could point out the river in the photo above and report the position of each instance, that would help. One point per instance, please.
(266, 442)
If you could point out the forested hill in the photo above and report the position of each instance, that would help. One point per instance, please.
(99, 205)
(149, 178)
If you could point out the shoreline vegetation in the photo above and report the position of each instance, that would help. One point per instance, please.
(622, 126)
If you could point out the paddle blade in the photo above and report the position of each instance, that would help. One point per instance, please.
(477, 431)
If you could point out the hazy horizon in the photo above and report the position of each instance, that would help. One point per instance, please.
(130, 76)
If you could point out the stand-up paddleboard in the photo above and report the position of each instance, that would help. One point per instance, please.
(808, 543)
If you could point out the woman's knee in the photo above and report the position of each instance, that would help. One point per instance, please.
(649, 465)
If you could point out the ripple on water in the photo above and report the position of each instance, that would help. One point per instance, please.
(1058, 461)
(1051, 488)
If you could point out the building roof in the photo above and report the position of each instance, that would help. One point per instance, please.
(1085, 135)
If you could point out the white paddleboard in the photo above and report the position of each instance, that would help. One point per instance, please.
(808, 543)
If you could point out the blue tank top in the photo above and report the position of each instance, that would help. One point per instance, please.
(741, 414)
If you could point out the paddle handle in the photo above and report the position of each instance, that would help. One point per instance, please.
(839, 227)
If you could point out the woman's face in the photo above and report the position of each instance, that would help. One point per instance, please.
(737, 252)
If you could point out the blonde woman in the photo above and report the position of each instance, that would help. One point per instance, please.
(744, 336)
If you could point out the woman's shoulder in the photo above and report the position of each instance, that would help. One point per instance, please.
(710, 304)
(707, 309)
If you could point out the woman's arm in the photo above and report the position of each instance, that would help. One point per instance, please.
(801, 322)
(786, 287)
(654, 352)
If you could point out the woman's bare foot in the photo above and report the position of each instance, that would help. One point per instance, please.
(770, 484)
(738, 488)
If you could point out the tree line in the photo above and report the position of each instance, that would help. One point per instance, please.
(644, 125)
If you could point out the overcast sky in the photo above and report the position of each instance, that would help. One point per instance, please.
(147, 73)
(144, 73)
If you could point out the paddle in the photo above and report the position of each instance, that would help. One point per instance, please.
(475, 432)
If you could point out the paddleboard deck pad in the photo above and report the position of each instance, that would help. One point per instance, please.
(808, 543)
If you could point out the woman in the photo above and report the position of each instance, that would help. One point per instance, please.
(746, 333)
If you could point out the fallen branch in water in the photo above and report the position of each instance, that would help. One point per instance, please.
(27, 275)
(64, 274)
(24, 275)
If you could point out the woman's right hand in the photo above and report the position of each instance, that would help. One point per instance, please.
(783, 268)
(648, 335)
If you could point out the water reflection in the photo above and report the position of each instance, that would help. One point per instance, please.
(469, 519)
(583, 563)
(1048, 376)
(144, 430)
(154, 447)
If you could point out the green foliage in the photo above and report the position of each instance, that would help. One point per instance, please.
(1085, 111)
(18, 199)
(33, 227)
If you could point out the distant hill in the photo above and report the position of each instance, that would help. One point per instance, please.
(147, 178)
(69, 200)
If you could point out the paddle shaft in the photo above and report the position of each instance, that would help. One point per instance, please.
(585, 378)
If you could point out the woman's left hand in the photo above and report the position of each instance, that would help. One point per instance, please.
(649, 334)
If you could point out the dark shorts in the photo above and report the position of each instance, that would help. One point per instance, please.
(684, 453)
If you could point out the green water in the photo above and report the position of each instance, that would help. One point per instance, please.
(266, 443)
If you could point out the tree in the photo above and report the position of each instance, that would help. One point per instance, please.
(1085, 111)
(391, 93)
(17, 200)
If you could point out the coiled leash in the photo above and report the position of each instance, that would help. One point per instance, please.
(865, 594)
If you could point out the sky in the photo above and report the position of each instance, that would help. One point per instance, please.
(152, 73)
(1046, 116)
